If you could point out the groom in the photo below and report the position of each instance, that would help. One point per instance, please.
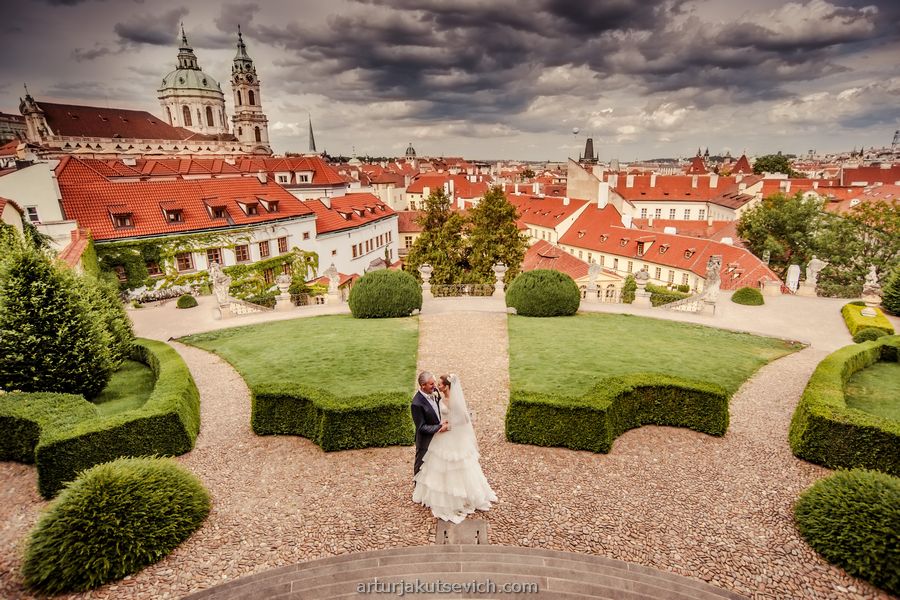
(426, 414)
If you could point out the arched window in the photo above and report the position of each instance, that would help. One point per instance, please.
(169, 114)
(240, 131)
(258, 134)
(209, 119)
(186, 112)
(239, 98)
(252, 97)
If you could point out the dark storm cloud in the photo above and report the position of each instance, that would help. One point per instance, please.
(156, 30)
(63, 2)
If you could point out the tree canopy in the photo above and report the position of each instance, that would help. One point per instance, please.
(774, 163)
(441, 243)
(495, 237)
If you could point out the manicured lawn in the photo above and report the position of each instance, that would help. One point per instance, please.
(568, 354)
(336, 353)
(876, 390)
(128, 389)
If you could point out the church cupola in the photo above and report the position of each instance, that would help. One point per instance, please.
(186, 57)
(250, 123)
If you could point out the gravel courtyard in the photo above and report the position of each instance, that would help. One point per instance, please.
(714, 508)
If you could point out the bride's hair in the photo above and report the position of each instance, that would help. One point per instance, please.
(445, 379)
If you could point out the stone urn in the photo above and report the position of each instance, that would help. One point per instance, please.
(641, 295)
(499, 272)
(425, 270)
(283, 302)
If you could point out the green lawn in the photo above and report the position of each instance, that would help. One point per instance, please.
(336, 353)
(128, 389)
(568, 354)
(876, 390)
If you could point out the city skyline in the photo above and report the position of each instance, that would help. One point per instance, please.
(493, 79)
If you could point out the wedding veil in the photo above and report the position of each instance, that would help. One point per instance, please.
(459, 411)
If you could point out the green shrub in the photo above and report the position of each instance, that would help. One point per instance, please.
(684, 288)
(660, 295)
(855, 321)
(385, 294)
(868, 334)
(890, 299)
(186, 301)
(613, 406)
(543, 293)
(103, 296)
(748, 296)
(50, 338)
(852, 519)
(628, 289)
(330, 422)
(114, 520)
(824, 430)
(268, 299)
(71, 437)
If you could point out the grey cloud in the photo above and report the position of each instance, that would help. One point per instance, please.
(97, 51)
(156, 30)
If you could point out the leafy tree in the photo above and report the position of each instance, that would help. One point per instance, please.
(783, 225)
(774, 163)
(441, 243)
(629, 288)
(495, 237)
(891, 299)
(50, 339)
(527, 174)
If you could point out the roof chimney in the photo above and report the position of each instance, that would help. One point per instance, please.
(709, 219)
(652, 179)
(629, 181)
(326, 201)
(516, 189)
(602, 194)
(626, 221)
(670, 230)
(261, 176)
(728, 240)
(650, 221)
(713, 180)
(613, 180)
(535, 187)
(565, 200)
(694, 180)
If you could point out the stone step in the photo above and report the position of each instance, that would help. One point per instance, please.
(557, 574)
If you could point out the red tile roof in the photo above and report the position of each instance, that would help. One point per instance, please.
(693, 228)
(870, 175)
(671, 188)
(544, 255)
(408, 221)
(462, 187)
(9, 148)
(547, 211)
(72, 253)
(5, 201)
(323, 173)
(697, 167)
(856, 195)
(598, 230)
(349, 211)
(742, 166)
(92, 121)
(90, 197)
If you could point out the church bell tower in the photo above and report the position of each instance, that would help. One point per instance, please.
(251, 127)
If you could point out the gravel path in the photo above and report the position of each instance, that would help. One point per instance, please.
(677, 500)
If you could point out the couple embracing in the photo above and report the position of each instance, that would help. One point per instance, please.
(447, 475)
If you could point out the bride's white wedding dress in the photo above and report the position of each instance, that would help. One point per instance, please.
(451, 482)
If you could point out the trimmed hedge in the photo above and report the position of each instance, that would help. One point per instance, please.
(543, 293)
(868, 334)
(824, 430)
(852, 518)
(330, 422)
(114, 520)
(613, 406)
(855, 321)
(186, 301)
(660, 295)
(748, 296)
(385, 294)
(167, 424)
(23, 416)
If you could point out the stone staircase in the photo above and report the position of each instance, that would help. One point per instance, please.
(549, 573)
(242, 307)
(696, 303)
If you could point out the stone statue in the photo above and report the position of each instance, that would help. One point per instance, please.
(793, 277)
(594, 271)
(812, 270)
(642, 276)
(713, 281)
(221, 283)
(871, 293)
(872, 279)
(333, 279)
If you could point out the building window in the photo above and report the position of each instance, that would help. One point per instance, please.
(616, 264)
(305, 235)
(579, 254)
(242, 253)
(121, 275)
(286, 268)
(169, 115)
(239, 98)
(220, 212)
(657, 213)
(186, 113)
(123, 221)
(672, 214)
(305, 179)
(671, 276)
(257, 134)
(602, 260)
(630, 266)
(282, 245)
(590, 260)
(687, 214)
(32, 214)
(269, 276)
(643, 213)
(640, 248)
(684, 279)
(213, 255)
(407, 241)
(209, 117)
(702, 214)
(174, 216)
(284, 178)
(184, 261)
(240, 131)
(658, 273)
(153, 269)
(334, 252)
(355, 250)
(251, 97)
(264, 249)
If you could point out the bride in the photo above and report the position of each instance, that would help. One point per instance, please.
(451, 482)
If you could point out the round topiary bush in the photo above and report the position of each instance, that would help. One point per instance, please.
(385, 294)
(868, 334)
(748, 296)
(113, 520)
(852, 519)
(186, 301)
(543, 293)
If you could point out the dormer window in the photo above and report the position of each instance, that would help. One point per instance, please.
(270, 205)
(219, 212)
(581, 233)
(304, 177)
(283, 177)
(359, 211)
(640, 248)
(663, 248)
(172, 212)
(346, 215)
(689, 252)
(624, 241)
(122, 217)
(603, 237)
(250, 207)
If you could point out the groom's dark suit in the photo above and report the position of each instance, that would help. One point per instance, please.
(427, 423)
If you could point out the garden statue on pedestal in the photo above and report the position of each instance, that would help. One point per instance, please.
(221, 284)
(813, 267)
(283, 301)
(641, 295)
(425, 271)
(871, 293)
(499, 271)
(594, 271)
(334, 279)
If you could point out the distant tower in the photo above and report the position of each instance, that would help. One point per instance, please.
(190, 98)
(410, 151)
(36, 128)
(250, 123)
(589, 156)
(312, 138)
(896, 141)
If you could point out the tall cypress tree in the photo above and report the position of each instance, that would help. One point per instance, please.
(50, 338)
(494, 237)
(442, 243)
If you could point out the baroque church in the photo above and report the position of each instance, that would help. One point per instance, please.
(194, 123)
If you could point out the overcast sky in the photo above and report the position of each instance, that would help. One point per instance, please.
(493, 79)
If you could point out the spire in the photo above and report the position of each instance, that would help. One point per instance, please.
(186, 57)
(589, 151)
(184, 42)
(312, 139)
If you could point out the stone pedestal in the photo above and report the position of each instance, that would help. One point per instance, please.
(425, 271)
(499, 272)
(770, 287)
(590, 295)
(283, 302)
(807, 290)
(642, 299)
